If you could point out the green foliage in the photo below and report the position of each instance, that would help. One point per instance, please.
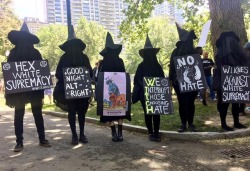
(2, 59)
(8, 22)
(196, 13)
(51, 37)
(134, 25)
(162, 33)
(248, 32)
(93, 35)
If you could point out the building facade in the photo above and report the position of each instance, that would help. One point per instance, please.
(108, 13)
(34, 24)
(169, 10)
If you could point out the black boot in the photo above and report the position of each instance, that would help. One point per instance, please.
(113, 133)
(120, 137)
(226, 128)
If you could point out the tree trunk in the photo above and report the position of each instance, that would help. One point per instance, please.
(226, 15)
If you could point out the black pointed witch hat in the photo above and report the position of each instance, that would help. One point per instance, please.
(148, 46)
(184, 35)
(16, 36)
(72, 41)
(110, 45)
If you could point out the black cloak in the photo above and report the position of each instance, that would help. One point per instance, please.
(112, 63)
(23, 51)
(73, 57)
(149, 67)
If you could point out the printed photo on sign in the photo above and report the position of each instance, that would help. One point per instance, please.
(157, 93)
(26, 76)
(114, 94)
(77, 82)
(235, 84)
(190, 73)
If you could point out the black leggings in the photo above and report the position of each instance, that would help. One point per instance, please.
(150, 119)
(223, 107)
(79, 106)
(36, 107)
(186, 105)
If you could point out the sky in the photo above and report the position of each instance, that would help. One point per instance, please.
(29, 8)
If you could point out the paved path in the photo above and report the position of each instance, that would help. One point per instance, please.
(135, 153)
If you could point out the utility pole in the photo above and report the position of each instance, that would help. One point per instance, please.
(68, 15)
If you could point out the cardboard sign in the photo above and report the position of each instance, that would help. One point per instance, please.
(190, 73)
(113, 94)
(77, 82)
(26, 76)
(204, 34)
(158, 100)
(235, 84)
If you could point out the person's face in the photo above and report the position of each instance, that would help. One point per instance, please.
(97, 64)
(205, 55)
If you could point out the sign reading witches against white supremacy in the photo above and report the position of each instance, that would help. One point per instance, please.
(235, 84)
(157, 96)
(77, 83)
(190, 73)
(25, 76)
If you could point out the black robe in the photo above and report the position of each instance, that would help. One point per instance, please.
(13, 100)
(138, 92)
(112, 64)
(66, 61)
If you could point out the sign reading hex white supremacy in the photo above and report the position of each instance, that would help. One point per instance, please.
(77, 83)
(235, 84)
(25, 76)
(190, 73)
(157, 95)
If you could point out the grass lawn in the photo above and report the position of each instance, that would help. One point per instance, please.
(205, 116)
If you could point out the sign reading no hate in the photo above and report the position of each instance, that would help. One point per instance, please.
(77, 82)
(157, 95)
(235, 84)
(26, 76)
(190, 73)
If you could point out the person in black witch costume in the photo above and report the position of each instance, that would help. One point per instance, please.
(113, 63)
(149, 67)
(25, 51)
(229, 53)
(186, 100)
(74, 57)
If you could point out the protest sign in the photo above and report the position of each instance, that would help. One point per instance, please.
(157, 95)
(113, 94)
(235, 84)
(77, 82)
(190, 73)
(23, 76)
(204, 34)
